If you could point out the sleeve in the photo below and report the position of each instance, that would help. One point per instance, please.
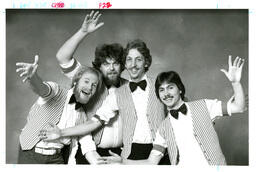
(218, 108)
(87, 144)
(69, 69)
(53, 91)
(159, 145)
(107, 110)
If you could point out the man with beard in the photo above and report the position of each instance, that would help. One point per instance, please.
(108, 60)
(56, 106)
(136, 102)
(188, 126)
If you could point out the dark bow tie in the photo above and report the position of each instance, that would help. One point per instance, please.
(73, 100)
(142, 84)
(182, 109)
(117, 85)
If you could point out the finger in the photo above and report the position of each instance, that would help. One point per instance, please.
(19, 69)
(97, 18)
(239, 62)
(225, 72)
(242, 64)
(86, 18)
(91, 14)
(95, 15)
(25, 79)
(36, 59)
(229, 61)
(21, 64)
(236, 61)
(99, 25)
(42, 137)
(112, 153)
(24, 73)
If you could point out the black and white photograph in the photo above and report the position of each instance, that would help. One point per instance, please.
(127, 86)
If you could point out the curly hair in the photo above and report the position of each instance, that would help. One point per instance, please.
(169, 77)
(105, 51)
(142, 48)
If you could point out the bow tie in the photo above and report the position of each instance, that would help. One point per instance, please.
(142, 84)
(73, 100)
(117, 85)
(182, 109)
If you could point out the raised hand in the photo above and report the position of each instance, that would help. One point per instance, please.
(234, 72)
(90, 23)
(51, 134)
(27, 70)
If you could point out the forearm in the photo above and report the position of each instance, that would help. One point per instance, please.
(65, 53)
(38, 86)
(238, 105)
(82, 129)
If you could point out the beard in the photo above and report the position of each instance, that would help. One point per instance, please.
(111, 79)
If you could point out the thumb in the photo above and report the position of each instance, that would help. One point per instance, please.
(112, 153)
(36, 59)
(225, 72)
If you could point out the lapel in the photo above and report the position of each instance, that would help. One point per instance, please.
(150, 95)
(130, 103)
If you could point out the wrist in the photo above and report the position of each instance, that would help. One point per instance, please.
(235, 83)
(82, 32)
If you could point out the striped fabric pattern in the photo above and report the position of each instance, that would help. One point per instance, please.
(94, 104)
(40, 116)
(205, 133)
(166, 131)
(155, 114)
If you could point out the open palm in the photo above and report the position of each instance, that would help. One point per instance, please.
(234, 72)
(90, 23)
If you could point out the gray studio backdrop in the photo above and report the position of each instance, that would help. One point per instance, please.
(195, 43)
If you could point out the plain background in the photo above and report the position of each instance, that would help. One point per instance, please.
(195, 43)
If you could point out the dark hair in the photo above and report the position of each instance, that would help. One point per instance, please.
(169, 77)
(84, 69)
(142, 48)
(104, 51)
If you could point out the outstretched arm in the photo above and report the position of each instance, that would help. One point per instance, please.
(54, 133)
(90, 24)
(234, 74)
(29, 74)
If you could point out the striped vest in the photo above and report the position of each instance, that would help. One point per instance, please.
(39, 117)
(155, 114)
(94, 104)
(204, 133)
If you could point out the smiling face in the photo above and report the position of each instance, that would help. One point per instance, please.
(135, 64)
(86, 87)
(111, 70)
(169, 94)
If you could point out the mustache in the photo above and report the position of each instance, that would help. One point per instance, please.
(167, 96)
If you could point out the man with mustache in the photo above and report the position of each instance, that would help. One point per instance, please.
(140, 110)
(108, 60)
(187, 133)
(56, 106)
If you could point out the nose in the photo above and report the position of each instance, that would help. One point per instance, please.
(134, 63)
(111, 66)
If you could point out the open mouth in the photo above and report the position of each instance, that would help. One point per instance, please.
(87, 93)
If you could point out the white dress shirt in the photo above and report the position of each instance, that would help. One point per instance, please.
(112, 133)
(109, 109)
(189, 149)
(69, 118)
